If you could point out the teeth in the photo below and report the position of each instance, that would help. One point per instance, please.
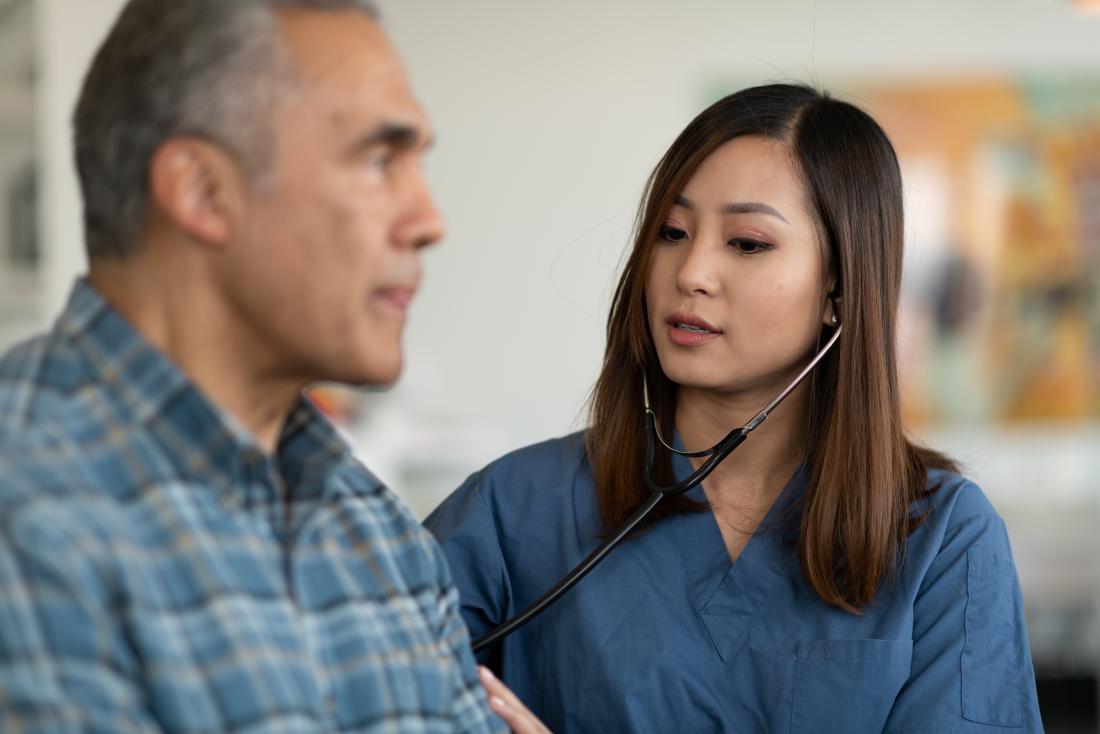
(691, 328)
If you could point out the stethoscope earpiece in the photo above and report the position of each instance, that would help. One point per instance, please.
(834, 296)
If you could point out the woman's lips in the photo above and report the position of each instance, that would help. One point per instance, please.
(689, 330)
(690, 338)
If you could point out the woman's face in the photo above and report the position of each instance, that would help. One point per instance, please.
(736, 285)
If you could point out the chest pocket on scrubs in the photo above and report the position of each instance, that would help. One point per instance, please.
(847, 685)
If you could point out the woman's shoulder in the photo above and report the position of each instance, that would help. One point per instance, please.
(952, 499)
(959, 528)
(565, 454)
(530, 482)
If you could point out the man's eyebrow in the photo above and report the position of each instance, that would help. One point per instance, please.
(393, 135)
(739, 207)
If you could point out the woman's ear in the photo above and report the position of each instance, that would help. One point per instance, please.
(830, 313)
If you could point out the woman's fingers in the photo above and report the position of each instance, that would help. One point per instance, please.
(507, 706)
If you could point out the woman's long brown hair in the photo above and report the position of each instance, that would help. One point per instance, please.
(865, 475)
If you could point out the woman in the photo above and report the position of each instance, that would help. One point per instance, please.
(830, 575)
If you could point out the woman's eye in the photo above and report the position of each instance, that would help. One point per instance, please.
(749, 247)
(673, 234)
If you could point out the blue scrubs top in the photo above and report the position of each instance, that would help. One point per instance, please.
(666, 635)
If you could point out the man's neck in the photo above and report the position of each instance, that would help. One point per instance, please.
(186, 319)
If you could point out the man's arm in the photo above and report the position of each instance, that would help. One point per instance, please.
(471, 707)
(464, 528)
(64, 665)
(477, 692)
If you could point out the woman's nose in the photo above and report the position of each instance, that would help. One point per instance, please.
(699, 268)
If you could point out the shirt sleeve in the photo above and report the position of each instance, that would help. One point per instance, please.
(465, 529)
(471, 706)
(971, 666)
(64, 663)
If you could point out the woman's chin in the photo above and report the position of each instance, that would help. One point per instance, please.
(703, 381)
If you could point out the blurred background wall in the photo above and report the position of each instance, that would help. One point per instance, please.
(550, 116)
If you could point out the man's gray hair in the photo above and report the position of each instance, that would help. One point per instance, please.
(212, 69)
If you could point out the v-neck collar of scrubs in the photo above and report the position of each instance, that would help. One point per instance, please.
(729, 595)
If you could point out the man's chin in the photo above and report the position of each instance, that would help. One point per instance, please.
(377, 375)
(366, 366)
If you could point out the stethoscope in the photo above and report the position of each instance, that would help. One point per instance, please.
(715, 455)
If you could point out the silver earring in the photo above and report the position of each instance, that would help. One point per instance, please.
(835, 322)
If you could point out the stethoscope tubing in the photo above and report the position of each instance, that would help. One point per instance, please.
(715, 455)
(567, 583)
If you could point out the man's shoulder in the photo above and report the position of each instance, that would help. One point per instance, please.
(384, 530)
(361, 486)
(38, 378)
(53, 483)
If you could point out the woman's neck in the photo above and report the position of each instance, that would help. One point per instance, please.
(753, 475)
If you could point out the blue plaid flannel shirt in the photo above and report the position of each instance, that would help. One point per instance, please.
(159, 572)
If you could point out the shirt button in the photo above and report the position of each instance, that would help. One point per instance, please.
(231, 501)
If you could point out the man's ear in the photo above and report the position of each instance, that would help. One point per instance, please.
(198, 188)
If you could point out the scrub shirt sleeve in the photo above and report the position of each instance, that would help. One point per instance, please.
(971, 667)
(467, 531)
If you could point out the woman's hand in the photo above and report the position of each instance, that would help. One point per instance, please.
(505, 705)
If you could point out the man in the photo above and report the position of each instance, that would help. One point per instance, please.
(185, 543)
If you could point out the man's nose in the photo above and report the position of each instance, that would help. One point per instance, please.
(424, 225)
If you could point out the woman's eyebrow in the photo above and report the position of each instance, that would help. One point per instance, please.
(739, 207)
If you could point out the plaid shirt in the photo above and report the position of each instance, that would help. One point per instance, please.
(159, 572)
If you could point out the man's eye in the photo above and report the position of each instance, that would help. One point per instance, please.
(381, 161)
(378, 159)
(673, 234)
(749, 247)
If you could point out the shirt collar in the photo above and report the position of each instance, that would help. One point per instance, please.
(201, 440)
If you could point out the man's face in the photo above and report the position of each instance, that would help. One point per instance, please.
(327, 258)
